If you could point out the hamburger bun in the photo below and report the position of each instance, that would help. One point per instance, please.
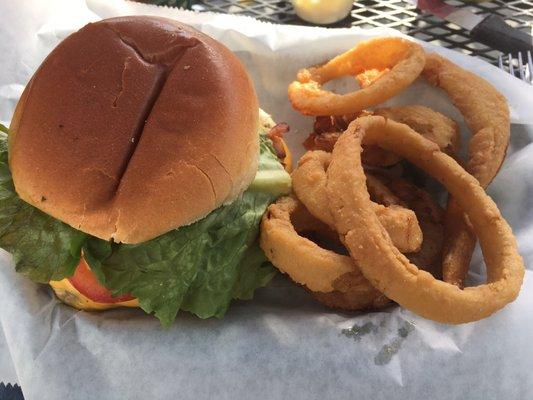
(135, 126)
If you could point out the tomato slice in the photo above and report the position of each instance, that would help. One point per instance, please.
(87, 284)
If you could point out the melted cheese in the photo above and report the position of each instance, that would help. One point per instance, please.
(71, 296)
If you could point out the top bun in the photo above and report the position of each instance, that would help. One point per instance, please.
(135, 126)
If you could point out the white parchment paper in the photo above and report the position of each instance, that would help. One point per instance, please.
(282, 344)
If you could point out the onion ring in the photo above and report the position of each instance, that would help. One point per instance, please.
(404, 58)
(309, 185)
(303, 260)
(320, 270)
(379, 192)
(370, 76)
(382, 264)
(459, 245)
(352, 293)
(430, 217)
(429, 123)
(486, 114)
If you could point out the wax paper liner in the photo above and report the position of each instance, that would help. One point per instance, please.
(282, 344)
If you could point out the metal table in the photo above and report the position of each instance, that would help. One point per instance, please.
(397, 14)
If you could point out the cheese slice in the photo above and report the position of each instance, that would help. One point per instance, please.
(67, 293)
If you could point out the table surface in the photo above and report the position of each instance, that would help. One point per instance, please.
(397, 14)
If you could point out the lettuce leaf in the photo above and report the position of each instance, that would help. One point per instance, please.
(198, 268)
(195, 268)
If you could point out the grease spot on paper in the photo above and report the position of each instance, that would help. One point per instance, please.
(356, 332)
(389, 350)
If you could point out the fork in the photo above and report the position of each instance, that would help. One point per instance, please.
(518, 67)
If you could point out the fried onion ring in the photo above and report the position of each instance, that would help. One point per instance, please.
(459, 245)
(309, 185)
(303, 260)
(379, 192)
(486, 114)
(318, 269)
(352, 293)
(405, 60)
(370, 76)
(382, 264)
(430, 217)
(429, 123)
(388, 191)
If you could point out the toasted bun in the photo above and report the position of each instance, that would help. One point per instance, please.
(135, 126)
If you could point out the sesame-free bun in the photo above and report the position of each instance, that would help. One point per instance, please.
(135, 126)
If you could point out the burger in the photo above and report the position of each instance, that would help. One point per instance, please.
(136, 170)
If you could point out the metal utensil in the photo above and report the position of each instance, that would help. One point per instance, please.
(491, 30)
(520, 67)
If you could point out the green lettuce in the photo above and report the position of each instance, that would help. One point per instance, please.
(198, 268)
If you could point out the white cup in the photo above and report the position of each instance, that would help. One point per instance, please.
(322, 12)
